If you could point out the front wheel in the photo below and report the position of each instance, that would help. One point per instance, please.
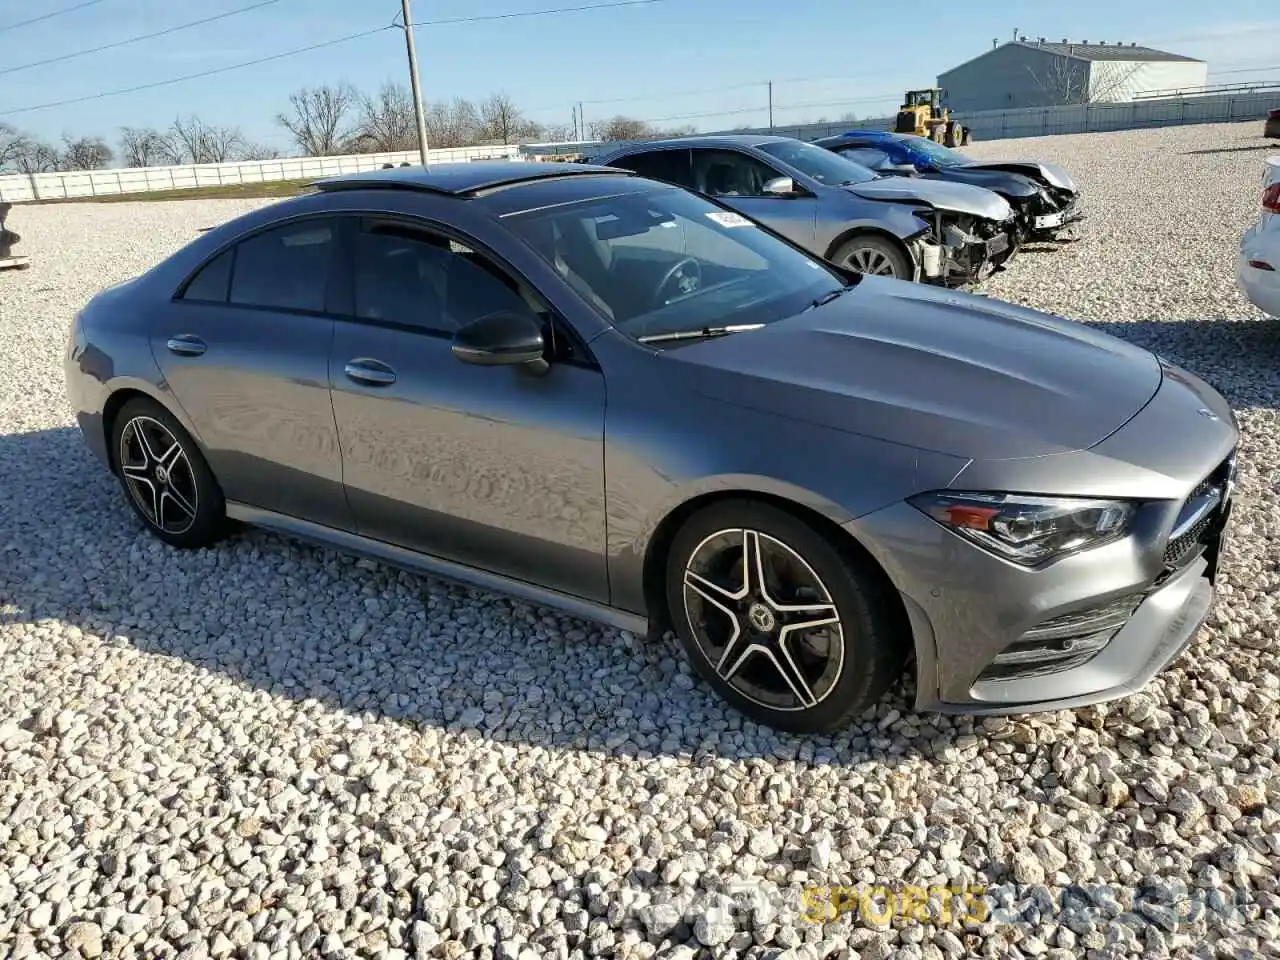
(790, 629)
(165, 477)
(874, 256)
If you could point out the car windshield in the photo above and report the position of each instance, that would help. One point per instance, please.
(823, 165)
(661, 261)
(936, 153)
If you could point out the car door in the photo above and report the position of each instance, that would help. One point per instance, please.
(244, 348)
(737, 179)
(497, 468)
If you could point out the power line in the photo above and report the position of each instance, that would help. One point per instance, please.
(315, 46)
(203, 73)
(536, 13)
(47, 16)
(145, 36)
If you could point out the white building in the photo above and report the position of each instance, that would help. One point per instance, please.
(1038, 73)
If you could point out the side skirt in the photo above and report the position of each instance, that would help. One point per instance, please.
(422, 563)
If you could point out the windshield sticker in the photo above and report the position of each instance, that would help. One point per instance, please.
(726, 219)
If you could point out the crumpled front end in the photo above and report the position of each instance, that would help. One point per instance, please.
(1053, 214)
(961, 248)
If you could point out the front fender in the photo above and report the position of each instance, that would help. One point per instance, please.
(715, 447)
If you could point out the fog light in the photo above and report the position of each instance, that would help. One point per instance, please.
(1064, 642)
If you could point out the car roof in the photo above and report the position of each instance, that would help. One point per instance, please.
(464, 179)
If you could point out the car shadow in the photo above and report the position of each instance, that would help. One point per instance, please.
(1252, 148)
(1240, 358)
(414, 650)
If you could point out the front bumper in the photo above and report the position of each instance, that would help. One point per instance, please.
(1053, 224)
(1101, 623)
(966, 256)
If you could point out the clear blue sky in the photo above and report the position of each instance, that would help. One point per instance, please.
(826, 57)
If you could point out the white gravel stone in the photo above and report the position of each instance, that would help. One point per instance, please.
(269, 750)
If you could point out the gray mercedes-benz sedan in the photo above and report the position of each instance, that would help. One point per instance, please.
(619, 398)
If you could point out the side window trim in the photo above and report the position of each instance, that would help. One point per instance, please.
(411, 222)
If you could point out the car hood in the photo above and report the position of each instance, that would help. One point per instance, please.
(937, 370)
(1001, 181)
(1050, 173)
(942, 194)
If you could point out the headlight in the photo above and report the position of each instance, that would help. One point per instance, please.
(1028, 530)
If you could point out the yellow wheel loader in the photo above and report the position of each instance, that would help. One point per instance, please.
(923, 113)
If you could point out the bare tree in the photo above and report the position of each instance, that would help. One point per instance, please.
(142, 147)
(454, 124)
(501, 120)
(257, 151)
(387, 122)
(318, 119)
(1071, 81)
(621, 128)
(38, 158)
(85, 153)
(191, 140)
(556, 133)
(14, 145)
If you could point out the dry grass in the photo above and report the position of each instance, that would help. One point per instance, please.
(228, 191)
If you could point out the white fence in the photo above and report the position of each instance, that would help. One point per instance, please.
(1250, 104)
(18, 187)
(1081, 118)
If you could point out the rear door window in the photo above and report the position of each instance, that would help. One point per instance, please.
(669, 166)
(285, 268)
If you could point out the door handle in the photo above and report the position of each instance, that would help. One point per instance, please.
(186, 345)
(374, 373)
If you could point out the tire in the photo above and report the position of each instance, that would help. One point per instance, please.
(168, 471)
(860, 656)
(874, 252)
(966, 138)
(953, 134)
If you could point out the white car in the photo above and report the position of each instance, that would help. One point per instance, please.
(1258, 267)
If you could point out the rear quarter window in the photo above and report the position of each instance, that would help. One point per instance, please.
(211, 283)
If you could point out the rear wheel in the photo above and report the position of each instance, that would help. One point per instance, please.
(165, 477)
(787, 627)
(873, 255)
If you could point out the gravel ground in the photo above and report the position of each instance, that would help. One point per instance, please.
(268, 750)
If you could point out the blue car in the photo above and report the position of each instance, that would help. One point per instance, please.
(1044, 197)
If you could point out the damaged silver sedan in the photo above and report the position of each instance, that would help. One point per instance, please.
(923, 230)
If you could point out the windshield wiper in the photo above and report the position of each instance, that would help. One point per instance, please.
(702, 334)
(828, 297)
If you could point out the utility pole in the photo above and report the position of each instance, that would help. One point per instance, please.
(419, 115)
(582, 121)
(770, 106)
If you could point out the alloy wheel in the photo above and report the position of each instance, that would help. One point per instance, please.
(763, 619)
(158, 475)
(871, 261)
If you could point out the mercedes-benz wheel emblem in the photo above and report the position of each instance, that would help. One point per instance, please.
(762, 618)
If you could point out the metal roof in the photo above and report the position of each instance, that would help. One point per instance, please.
(462, 179)
(1106, 51)
(1084, 51)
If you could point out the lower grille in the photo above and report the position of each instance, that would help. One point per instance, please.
(1064, 642)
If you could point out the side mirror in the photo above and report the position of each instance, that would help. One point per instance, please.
(781, 187)
(502, 339)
